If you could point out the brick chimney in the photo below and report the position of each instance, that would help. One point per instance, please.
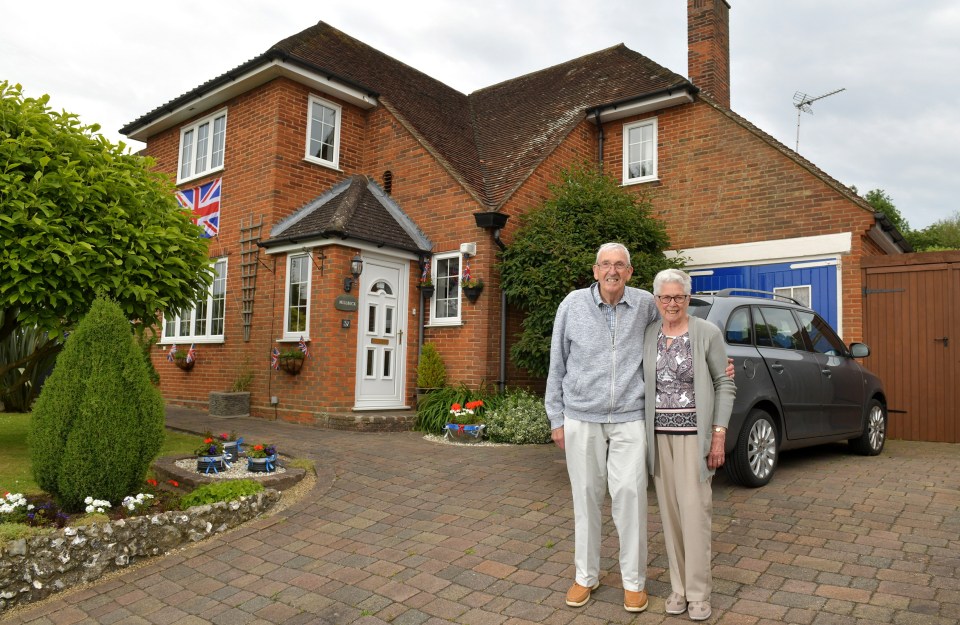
(708, 47)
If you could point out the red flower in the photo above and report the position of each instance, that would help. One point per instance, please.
(456, 407)
(208, 440)
(175, 483)
(258, 447)
(151, 481)
(224, 436)
(473, 405)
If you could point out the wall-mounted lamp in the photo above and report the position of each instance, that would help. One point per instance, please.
(356, 268)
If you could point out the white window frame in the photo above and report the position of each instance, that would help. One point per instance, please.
(652, 123)
(802, 293)
(294, 335)
(208, 336)
(214, 149)
(338, 113)
(434, 264)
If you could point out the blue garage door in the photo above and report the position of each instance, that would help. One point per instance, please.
(820, 276)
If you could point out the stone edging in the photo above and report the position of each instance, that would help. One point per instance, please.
(35, 567)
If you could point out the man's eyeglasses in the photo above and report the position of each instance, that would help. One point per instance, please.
(676, 299)
(606, 265)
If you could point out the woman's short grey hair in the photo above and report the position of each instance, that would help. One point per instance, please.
(672, 275)
(613, 246)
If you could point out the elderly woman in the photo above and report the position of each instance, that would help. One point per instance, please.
(688, 402)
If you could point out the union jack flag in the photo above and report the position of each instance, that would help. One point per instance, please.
(204, 203)
(302, 346)
(275, 358)
(191, 353)
(173, 350)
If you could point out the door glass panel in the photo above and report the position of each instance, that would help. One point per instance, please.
(372, 319)
(388, 321)
(381, 285)
(387, 363)
(371, 362)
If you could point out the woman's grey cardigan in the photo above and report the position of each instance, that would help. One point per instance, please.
(714, 391)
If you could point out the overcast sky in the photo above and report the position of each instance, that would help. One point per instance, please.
(895, 127)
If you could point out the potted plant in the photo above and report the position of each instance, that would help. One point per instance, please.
(431, 372)
(210, 455)
(231, 446)
(291, 361)
(426, 287)
(466, 424)
(471, 288)
(262, 458)
(181, 360)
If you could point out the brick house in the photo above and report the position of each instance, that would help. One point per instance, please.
(328, 154)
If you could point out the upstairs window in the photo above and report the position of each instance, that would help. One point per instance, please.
(204, 323)
(323, 132)
(640, 151)
(201, 146)
(445, 303)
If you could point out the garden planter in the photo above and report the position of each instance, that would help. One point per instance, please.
(183, 364)
(232, 449)
(262, 465)
(472, 292)
(227, 405)
(291, 365)
(210, 464)
(461, 433)
(427, 291)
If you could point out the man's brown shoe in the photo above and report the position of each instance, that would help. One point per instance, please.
(635, 600)
(579, 595)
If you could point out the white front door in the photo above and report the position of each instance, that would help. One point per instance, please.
(381, 335)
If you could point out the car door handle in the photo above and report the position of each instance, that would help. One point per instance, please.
(825, 372)
(777, 367)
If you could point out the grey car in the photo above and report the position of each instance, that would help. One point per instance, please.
(798, 384)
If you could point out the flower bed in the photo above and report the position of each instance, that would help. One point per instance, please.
(33, 568)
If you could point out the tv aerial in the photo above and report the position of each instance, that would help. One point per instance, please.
(804, 104)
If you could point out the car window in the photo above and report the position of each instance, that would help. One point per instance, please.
(738, 327)
(822, 336)
(784, 331)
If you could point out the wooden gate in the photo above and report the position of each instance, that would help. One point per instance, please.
(912, 325)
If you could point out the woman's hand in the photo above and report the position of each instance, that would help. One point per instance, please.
(716, 456)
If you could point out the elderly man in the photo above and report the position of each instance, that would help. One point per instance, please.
(595, 402)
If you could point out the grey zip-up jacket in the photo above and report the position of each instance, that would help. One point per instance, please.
(596, 375)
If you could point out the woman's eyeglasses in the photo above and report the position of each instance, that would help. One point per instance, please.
(676, 299)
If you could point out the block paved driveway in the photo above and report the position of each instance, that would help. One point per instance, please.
(406, 531)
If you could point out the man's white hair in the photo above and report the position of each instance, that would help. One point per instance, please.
(613, 246)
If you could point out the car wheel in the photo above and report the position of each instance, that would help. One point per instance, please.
(871, 442)
(754, 458)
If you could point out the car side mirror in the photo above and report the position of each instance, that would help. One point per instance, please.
(859, 350)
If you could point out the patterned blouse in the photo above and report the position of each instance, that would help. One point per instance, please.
(676, 405)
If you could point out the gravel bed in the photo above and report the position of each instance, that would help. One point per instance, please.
(237, 470)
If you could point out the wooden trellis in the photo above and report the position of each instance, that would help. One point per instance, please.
(249, 259)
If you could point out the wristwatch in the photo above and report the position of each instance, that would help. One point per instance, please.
(720, 429)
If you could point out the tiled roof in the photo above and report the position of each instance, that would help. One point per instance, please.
(355, 208)
(491, 140)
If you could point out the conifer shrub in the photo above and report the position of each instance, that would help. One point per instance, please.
(98, 423)
(431, 372)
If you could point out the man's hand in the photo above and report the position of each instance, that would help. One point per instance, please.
(557, 436)
(730, 370)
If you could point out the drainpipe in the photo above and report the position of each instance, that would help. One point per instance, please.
(502, 385)
(596, 116)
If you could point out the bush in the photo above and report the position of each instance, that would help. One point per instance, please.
(227, 490)
(433, 413)
(98, 423)
(519, 419)
(431, 372)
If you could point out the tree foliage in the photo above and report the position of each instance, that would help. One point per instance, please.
(938, 236)
(99, 421)
(79, 217)
(880, 201)
(555, 248)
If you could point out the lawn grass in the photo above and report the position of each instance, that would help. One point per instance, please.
(16, 475)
